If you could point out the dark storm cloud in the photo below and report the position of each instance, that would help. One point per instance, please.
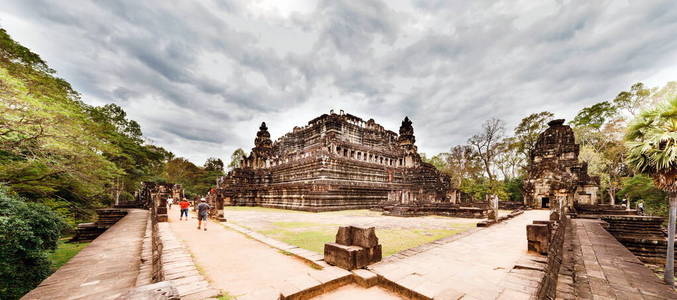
(201, 76)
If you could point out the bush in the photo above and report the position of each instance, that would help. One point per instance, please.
(641, 188)
(27, 232)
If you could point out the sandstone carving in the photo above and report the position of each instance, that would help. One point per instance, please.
(335, 162)
(555, 176)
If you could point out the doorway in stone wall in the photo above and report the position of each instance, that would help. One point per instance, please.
(545, 202)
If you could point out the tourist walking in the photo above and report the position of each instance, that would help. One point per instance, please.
(184, 204)
(202, 212)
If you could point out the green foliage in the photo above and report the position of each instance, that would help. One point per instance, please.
(27, 231)
(595, 116)
(196, 181)
(513, 188)
(439, 161)
(640, 188)
(479, 188)
(528, 130)
(59, 151)
(652, 141)
(236, 158)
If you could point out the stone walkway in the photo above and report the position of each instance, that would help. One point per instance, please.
(356, 292)
(605, 269)
(246, 268)
(470, 266)
(105, 269)
(179, 268)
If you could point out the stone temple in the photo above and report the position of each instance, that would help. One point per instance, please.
(555, 176)
(335, 162)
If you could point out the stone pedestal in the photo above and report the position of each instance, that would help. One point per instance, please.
(538, 238)
(355, 248)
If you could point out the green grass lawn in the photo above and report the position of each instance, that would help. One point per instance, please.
(263, 209)
(313, 236)
(64, 252)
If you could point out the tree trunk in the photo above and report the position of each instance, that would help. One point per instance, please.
(669, 275)
(612, 196)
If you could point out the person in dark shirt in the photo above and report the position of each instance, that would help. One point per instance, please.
(202, 213)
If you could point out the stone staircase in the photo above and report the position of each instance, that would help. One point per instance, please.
(106, 218)
(642, 235)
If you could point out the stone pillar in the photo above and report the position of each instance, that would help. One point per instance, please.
(493, 207)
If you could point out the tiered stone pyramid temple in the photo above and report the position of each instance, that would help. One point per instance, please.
(555, 176)
(335, 162)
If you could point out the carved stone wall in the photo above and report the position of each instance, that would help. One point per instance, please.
(555, 176)
(336, 161)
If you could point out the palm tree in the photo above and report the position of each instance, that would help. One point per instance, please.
(652, 149)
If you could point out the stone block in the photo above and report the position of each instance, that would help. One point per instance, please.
(538, 238)
(344, 236)
(342, 256)
(375, 253)
(550, 224)
(162, 218)
(364, 278)
(364, 237)
(362, 258)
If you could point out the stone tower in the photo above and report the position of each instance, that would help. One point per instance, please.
(555, 176)
(262, 147)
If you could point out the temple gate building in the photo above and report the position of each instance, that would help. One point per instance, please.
(555, 176)
(335, 162)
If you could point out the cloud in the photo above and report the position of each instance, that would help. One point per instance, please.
(200, 76)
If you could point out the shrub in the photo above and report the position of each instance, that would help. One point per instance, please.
(27, 232)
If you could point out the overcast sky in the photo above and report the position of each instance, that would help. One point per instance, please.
(200, 76)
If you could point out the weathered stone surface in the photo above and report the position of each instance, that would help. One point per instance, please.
(538, 238)
(365, 278)
(108, 266)
(163, 290)
(543, 222)
(341, 256)
(375, 253)
(555, 176)
(355, 247)
(603, 268)
(364, 237)
(344, 235)
(643, 235)
(336, 161)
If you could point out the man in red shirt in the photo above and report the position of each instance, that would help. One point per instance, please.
(184, 204)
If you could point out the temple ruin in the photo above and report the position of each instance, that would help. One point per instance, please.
(555, 176)
(335, 162)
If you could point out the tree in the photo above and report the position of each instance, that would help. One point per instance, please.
(528, 130)
(651, 140)
(438, 160)
(596, 115)
(214, 165)
(641, 188)
(509, 158)
(236, 158)
(633, 100)
(464, 163)
(27, 231)
(485, 143)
